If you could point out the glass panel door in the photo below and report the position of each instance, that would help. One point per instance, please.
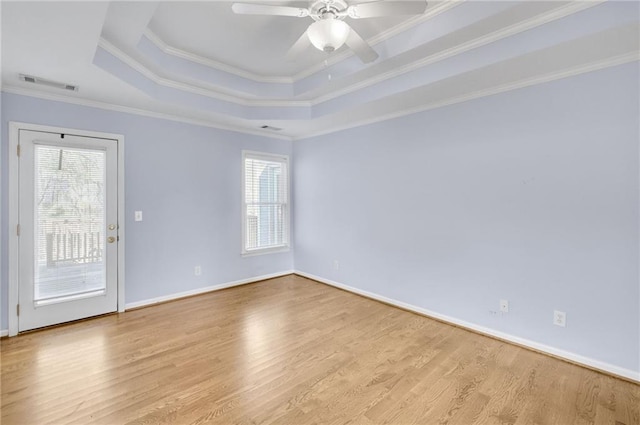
(69, 222)
(68, 243)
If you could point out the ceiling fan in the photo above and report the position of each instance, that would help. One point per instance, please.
(329, 31)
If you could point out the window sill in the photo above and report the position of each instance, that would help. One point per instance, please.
(263, 251)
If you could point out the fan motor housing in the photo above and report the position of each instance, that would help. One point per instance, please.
(319, 9)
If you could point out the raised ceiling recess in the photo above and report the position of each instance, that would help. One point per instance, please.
(202, 63)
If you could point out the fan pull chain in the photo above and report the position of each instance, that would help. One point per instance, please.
(326, 65)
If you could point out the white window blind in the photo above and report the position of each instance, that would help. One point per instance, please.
(266, 206)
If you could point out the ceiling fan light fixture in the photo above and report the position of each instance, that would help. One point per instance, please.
(328, 34)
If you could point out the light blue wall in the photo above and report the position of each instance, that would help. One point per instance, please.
(530, 196)
(185, 179)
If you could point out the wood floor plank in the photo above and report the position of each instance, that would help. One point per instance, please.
(292, 351)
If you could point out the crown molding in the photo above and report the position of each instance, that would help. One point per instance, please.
(570, 72)
(545, 18)
(150, 75)
(540, 79)
(215, 94)
(236, 98)
(137, 111)
(335, 58)
(183, 54)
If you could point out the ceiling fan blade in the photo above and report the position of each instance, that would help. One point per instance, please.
(298, 47)
(386, 8)
(264, 9)
(360, 47)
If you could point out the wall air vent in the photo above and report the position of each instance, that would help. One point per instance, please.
(49, 83)
(269, 127)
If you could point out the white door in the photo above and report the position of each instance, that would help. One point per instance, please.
(68, 242)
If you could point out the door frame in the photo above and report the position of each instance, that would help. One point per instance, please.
(14, 190)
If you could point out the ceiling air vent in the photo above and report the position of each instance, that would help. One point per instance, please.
(45, 82)
(269, 127)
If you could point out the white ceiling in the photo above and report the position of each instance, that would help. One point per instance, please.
(254, 43)
(199, 62)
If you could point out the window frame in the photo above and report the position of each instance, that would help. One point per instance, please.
(266, 156)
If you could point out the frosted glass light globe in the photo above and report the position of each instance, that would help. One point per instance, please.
(328, 34)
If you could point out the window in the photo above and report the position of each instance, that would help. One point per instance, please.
(265, 202)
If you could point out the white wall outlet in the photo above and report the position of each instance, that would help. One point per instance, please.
(138, 216)
(559, 318)
(504, 306)
(197, 271)
(336, 264)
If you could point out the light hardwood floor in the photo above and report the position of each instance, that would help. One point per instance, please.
(293, 351)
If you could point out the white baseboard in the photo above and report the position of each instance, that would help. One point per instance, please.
(175, 296)
(572, 357)
(4, 332)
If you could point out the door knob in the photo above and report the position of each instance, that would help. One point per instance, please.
(112, 227)
(111, 239)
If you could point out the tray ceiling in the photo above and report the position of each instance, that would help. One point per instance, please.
(199, 62)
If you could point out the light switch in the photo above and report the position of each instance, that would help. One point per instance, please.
(138, 216)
